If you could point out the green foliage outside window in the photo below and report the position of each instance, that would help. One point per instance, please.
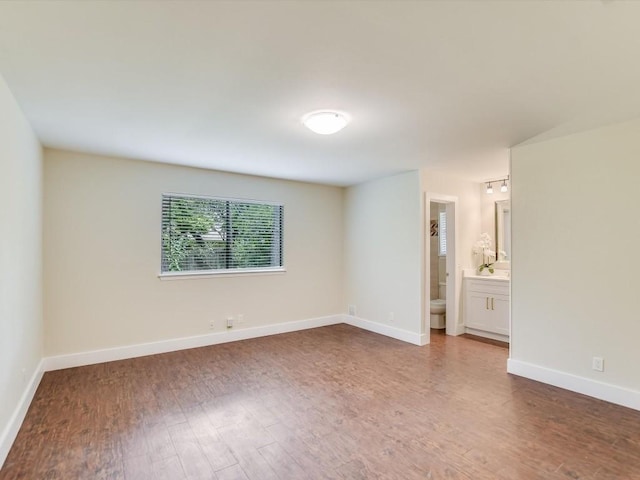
(216, 234)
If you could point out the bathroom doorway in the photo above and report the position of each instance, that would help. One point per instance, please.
(440, 253)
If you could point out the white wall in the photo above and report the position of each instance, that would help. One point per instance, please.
(469, 222)
(102, 255)
(572, 298)
(20, 260)
(384, 258)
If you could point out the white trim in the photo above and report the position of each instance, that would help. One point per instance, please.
(164, 346)
(140, 350)
(586, 386)
(9, 434)
(454, 270)
(397, 333)
(232, 272)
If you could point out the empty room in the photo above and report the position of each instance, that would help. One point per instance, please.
(308, 239)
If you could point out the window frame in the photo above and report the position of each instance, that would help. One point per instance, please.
(221, 272)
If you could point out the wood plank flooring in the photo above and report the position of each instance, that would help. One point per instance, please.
(329, 403)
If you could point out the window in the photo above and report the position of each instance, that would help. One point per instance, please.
(217, 235)
(442, 234)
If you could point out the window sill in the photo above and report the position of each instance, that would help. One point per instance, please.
(220, 273)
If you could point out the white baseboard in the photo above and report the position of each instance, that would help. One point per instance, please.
(397, 333)
(10, 432)
(604, 391)
(164, 346)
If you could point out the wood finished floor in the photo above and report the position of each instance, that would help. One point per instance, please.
(329, 403)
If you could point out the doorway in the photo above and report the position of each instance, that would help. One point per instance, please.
(447, 204)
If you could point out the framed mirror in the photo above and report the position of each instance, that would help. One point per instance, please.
(503, 230)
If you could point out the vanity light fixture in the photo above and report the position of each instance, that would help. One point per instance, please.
(503, 188)
(325, 122)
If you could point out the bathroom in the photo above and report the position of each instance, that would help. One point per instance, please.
(438, 264)
(490, 201)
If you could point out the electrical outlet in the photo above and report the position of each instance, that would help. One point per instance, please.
(240, 318)
(212, 324)
(229, 322)
(392, 317)
(598, 364)
(352, 310)
(24, 375)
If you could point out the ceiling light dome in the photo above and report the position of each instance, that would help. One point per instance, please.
(325, 122)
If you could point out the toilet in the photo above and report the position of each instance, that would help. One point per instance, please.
(438, 307)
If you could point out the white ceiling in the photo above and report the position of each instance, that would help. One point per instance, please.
(441, 84)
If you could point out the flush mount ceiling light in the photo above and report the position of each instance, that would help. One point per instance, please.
(325, 122)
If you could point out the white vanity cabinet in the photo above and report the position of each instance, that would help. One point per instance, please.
(486, 307)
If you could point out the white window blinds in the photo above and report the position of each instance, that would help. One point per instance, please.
(213, 234)
(442, 233)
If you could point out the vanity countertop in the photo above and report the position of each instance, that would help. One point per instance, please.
(499, 278)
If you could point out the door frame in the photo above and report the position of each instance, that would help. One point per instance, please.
(454, 270)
